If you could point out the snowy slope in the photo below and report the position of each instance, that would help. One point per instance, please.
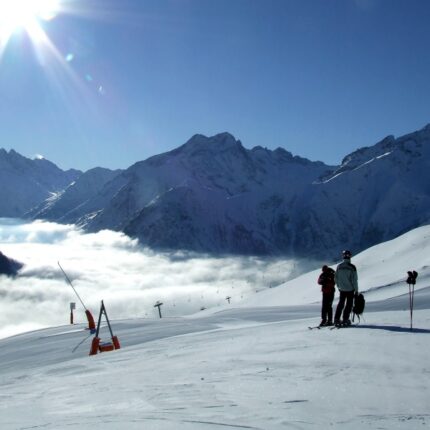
(381, 272)
(232, 374)
(251, 367)
(62, 205)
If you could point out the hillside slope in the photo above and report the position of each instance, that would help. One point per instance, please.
(253, 367)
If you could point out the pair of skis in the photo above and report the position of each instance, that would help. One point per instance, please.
(331, 327)
(319, 327)
(341, 326)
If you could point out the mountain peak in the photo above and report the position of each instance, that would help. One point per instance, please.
(10, 154)
(224, 139)
(200, 144)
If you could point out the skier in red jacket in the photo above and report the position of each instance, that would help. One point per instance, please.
(326, 280)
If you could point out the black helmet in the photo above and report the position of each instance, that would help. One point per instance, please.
(346, 254)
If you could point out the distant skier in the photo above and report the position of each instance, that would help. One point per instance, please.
(347, 282)
(326, 280)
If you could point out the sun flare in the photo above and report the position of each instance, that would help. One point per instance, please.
(30, 18)
(25, 15)
(20, 13)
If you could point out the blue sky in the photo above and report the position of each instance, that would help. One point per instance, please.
(134, 78)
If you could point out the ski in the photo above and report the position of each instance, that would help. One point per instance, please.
(319, 327)
(342, 326)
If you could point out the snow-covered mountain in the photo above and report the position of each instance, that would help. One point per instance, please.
(213, 195)
(376, 194)
(210, 194)
(26, 183)
(221, 197)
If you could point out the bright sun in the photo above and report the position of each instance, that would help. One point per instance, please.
(29, 17)
(24, 14)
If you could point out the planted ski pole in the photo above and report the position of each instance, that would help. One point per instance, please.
(91, 323)
(411, 281)
(158, 305)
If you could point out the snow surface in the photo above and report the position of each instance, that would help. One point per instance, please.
(253, 367)
(381, 272)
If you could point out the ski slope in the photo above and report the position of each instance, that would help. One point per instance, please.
(256, 366)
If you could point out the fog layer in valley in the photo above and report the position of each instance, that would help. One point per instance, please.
(112, 267)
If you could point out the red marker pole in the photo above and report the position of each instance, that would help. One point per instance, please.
(72, 308)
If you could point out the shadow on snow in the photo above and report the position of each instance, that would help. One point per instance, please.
(394, 328)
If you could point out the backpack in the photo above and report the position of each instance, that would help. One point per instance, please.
(358, 308)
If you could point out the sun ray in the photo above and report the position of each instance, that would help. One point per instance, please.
(24, 15)
(45, 45)
(68, 78)
(29, 16)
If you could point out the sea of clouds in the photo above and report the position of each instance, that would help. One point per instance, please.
(112, 267)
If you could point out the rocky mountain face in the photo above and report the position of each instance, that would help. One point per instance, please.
(26, 183)
(213, 195)
(8, 266)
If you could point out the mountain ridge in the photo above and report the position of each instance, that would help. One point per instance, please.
(213, 195)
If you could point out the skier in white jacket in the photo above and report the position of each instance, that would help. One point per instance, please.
(347, 282)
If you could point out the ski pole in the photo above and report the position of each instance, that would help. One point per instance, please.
(412, 279)
(412, 303)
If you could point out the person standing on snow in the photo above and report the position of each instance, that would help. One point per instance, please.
(326, 280)
(347, 282)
